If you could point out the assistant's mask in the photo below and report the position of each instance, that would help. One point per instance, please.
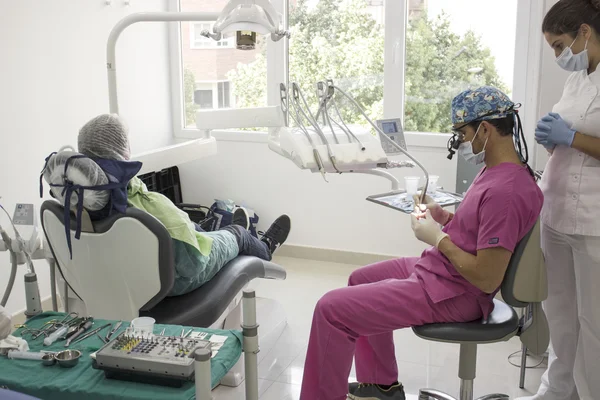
(574, 62)
(466, 151)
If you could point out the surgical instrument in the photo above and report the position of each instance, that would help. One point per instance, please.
(113, 330)
(53, 325)
(82, 328)
(101, 338)
(90, 334)
(61, 329)
(188, 333)
(163, 332)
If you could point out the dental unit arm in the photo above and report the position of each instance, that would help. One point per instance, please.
(28, 245)
(333, 146)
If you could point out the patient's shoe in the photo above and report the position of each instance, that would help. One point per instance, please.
(277, 232)
(370, 391)
(241, 218)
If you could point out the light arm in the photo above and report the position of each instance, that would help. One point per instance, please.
(130, 20)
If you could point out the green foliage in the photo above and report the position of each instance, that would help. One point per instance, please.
(338, 39)
(189, 86)
(437, 65)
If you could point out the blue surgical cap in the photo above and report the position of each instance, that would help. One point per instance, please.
(480, 104)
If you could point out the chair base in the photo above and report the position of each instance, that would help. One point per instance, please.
(427, 394)
(272, 321)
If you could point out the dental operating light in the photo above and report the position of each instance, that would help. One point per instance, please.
(247, 18)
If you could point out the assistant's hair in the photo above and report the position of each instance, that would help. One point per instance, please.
(567, 16)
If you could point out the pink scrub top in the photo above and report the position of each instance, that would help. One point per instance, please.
(499, 209)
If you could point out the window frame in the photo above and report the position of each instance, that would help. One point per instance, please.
(269, 116)
(213, 44)
(525, 82)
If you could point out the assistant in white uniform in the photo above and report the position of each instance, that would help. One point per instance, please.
(571, 213)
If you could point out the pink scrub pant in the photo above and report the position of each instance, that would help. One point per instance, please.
(361, 318)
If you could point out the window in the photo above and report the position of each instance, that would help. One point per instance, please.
(236, 79)
(344, 41)
(223, 92)
(451, 46)
(398, 58)
(203, 98)
(197, 41)
(209, 95)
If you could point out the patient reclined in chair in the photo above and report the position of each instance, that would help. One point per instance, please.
(199, 255)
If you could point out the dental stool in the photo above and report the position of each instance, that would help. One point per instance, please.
(123, 267)
(524, 285)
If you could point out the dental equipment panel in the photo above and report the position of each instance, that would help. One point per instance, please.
(393, 129)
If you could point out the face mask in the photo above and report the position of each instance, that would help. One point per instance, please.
(574, 62)
(466, 151)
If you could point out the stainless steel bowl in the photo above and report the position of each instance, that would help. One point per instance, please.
(48, 360)
(68, 358)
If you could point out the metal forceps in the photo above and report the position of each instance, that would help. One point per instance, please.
(113, 330)
(54, 325)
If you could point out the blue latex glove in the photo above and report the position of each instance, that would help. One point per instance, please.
(552, 131)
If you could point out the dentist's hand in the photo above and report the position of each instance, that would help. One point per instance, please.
(427, 230)
(440, 215)
(552, 131)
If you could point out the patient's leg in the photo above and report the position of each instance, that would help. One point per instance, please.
(248, 244)
(274, 237)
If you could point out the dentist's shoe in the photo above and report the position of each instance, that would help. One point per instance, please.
(370, 391)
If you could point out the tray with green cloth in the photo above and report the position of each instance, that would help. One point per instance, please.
(83, 381)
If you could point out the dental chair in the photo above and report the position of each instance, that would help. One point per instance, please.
(524, 285)
(122, 267)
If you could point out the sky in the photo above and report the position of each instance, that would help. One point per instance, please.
(496, 25)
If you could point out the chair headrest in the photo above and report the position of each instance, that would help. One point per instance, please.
(70, 166)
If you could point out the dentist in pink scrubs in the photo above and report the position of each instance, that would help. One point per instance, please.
(454, 280)
(570, 217)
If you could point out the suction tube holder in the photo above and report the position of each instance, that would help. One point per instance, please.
(294, 104)
(385, 137)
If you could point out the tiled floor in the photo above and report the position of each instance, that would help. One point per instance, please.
(421, 363)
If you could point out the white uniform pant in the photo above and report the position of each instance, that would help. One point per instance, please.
(573, 310)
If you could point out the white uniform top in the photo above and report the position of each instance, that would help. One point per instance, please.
(571, 180)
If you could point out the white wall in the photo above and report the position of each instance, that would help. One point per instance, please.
(332, 215)
(53, 79)
(553, 79)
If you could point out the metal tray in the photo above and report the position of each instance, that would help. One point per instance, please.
(398, 200)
